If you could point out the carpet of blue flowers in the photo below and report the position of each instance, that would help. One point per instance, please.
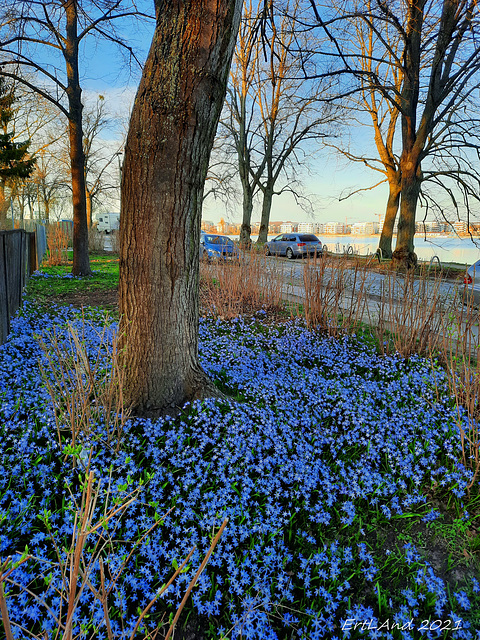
(321, 445)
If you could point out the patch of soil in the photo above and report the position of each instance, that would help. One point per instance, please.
(453, 560)
(105, 298)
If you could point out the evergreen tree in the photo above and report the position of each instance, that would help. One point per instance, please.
(15, 162)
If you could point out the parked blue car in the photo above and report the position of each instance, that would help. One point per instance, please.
(217, 247)
(293, 245)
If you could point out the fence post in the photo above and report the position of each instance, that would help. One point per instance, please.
(32, 252)
(4, 317)
(14, 271)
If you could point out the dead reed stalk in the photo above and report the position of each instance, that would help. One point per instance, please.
(57, 244)
(95, 240)
(86, 389)
(460, 355)
(410, 314)
(229, 288)
(76, 569)
(335, 297)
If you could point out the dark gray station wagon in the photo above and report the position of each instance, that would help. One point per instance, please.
(293, 245)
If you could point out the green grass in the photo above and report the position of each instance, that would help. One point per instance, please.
(105, 277)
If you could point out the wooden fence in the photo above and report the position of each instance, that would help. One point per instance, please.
(18, 259)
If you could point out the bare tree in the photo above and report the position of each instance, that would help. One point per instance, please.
(38, 120)
(221, 182)
(171, 134)
(101, 159)
(56, 29)
(240, 122)
(370, 101)
(50, 182)
(273, 117)
(438, 60)
(295, 115)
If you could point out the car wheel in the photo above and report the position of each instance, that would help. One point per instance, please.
(289, 253)
(267, 250)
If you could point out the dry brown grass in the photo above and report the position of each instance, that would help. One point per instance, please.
(95, 240)
(57, 245)
(335, 300)
(86, 391)
(228, 289)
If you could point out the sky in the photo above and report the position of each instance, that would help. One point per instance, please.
(103, 71)
(329, 179)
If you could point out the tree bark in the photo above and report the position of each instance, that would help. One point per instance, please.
(243, 154)
(265, 218)
(171, 134)
(412, 142)
(404, 254)
(88, 197)
(393, 202)
(46, 210)
(81, 261)
(246, 228)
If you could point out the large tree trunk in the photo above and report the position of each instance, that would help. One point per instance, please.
(171, 134)
(265, 219)
(386, 237)
(88, 197)
(246, 228)
(81, 261)
(404, 254)
(412, 144)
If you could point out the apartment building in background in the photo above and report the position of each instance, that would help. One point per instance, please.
(334, 228)
(274, 227)
(364, 228)
(288, 227)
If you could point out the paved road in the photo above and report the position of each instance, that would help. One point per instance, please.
(377, 285)
(385, 289)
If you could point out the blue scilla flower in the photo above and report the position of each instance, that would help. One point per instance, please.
(462, 599)
(323, 427)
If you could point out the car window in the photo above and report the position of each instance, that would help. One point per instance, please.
(308, 237)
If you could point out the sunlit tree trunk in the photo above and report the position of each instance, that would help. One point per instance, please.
(81, 262)
(247, 208)
(3, 206)
(404, 253)
(88, 196)
(391, 212)
(265, 217)
(46, 210)
(171, 134)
